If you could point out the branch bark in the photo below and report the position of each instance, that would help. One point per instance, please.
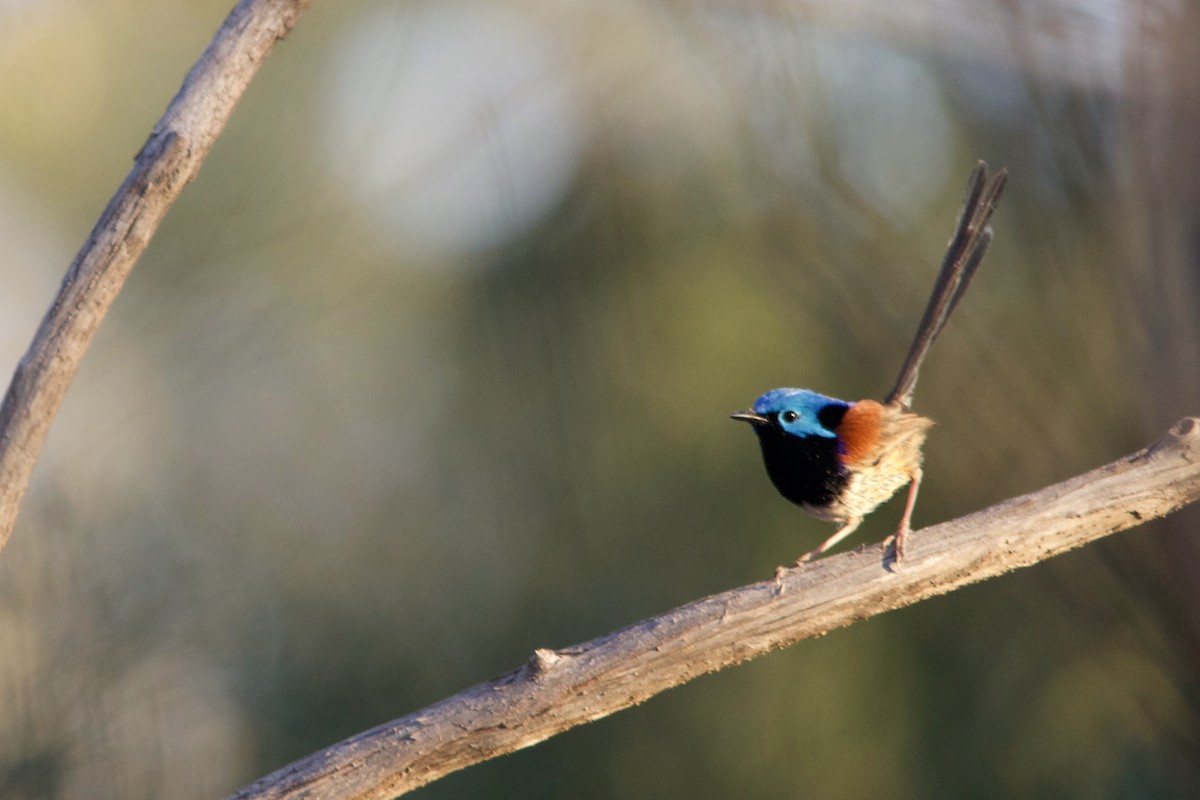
(171, 157)
(559, 689)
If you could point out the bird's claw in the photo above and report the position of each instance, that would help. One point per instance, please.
(780, 573)
(894, 546)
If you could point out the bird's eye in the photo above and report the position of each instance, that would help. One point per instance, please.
(789, 416)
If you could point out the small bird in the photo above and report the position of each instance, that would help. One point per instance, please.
(839, 460)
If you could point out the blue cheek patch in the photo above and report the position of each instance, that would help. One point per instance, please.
(806, 403)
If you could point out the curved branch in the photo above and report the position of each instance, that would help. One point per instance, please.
(559, 689)
(170, 158)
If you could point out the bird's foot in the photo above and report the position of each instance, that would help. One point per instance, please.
(894, 546)
(780, 573)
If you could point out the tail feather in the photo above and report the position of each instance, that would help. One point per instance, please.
(963, 255)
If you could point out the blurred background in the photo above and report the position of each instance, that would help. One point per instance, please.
(432, 365)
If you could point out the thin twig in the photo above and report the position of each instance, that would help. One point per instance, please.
(559, 689)
(170, 158)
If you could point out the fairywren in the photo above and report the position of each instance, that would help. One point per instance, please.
(839, 460)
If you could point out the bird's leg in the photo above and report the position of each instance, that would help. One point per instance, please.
(906, 521)
(842, 532)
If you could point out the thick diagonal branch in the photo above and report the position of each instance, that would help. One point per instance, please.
(559, 689)
(170, 158)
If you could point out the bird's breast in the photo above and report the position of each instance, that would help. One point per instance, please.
(805, 469)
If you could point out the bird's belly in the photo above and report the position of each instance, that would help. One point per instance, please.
(830, 512)
(864, 492)
(874, 482)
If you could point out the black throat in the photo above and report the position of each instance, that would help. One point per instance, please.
(805, 469)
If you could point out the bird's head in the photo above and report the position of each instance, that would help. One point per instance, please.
(799, 412)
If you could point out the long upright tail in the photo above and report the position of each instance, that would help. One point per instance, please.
(963, 254)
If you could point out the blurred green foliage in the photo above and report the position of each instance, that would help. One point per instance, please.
(342, 450)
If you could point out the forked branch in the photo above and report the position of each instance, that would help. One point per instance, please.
(559, 689)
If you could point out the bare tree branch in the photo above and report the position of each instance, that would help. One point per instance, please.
(559, 689)
(170, 158)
